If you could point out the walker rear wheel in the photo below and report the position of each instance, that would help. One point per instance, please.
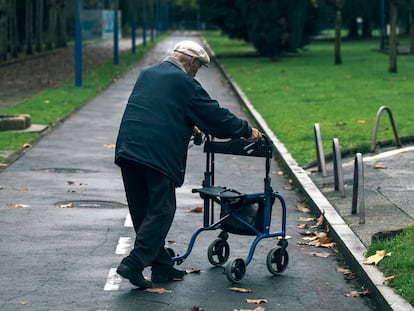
(235, 270)
(218, 252)
(277, 260)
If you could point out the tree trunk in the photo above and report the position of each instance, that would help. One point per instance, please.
(14, 41)
(338, 25)
(29, 27)
(51, 27)
(62, 39)
(3, 29)
(39, 26)
(410, 16)
(393, 36)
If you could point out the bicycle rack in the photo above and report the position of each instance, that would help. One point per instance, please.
(337, 165)
(358, 200)
(394, 128)
(320, 156)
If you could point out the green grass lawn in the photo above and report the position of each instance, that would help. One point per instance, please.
(400, 263)
(305, 88)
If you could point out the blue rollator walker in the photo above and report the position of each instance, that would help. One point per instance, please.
(243, 214)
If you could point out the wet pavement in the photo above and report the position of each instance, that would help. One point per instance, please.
(65, 227)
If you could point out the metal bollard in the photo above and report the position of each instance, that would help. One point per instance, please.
(358, 200)
(337, 166)
(320, 156)
(377, 120)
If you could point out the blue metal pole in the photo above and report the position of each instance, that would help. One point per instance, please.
(78, 47)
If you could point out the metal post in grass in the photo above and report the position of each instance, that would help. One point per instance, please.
(358, 195)
(337, 166)
(320, 156)
(78, 47)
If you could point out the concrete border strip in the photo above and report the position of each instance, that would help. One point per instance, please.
(348, 242)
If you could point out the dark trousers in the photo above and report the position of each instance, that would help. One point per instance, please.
(152, 203)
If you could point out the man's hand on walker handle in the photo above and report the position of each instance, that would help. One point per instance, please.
(256, 135)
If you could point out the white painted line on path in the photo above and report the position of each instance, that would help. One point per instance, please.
(128, 221)
(113, 281)
(124, 246)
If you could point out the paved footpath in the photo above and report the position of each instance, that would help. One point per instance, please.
(64, 224)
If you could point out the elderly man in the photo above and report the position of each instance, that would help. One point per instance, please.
(166, 104)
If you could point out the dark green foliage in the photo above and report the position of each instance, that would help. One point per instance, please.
(271, 26)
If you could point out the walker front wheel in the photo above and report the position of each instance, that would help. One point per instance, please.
(277, 260)
(218, 252)
(235, 270)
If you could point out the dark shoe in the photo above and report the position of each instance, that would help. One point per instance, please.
(134, 276)
(171, 274)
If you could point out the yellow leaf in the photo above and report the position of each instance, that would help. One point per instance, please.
(240, 290)
(109, 146)
(300, 218)
(16, 205)
(301, 226)
(257, 301)
(158, 290)
(379, 166)
(375, 259)
(256, 309)
(302, 209)
(390, 278)
(197, 209)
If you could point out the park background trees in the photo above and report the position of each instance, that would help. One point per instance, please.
(272, 27)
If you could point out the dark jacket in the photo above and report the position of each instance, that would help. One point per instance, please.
(158, 121)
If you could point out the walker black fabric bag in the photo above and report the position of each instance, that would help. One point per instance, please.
(250, 210)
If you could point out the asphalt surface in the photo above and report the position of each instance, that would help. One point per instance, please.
(64, 223)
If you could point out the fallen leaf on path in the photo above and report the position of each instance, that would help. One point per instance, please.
(309, 233)
(197, 209)
(21, 189)
(158, 290)
(319, 220)
(26, 146)
(256, 309)
(109, 146)
(355, 293)
(69, 205)
(379, 166)
(257, 301)
(321, 254)
(343, 270)
(17, 205)
(301, 226)
(302, 209)
(240, 290)
(193, 271)
(301, 218)
(375, 259)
